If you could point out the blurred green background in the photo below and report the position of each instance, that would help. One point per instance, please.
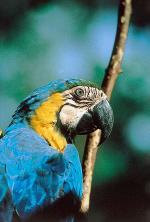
(43, 40)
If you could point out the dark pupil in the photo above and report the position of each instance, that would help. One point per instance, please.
(79, 92)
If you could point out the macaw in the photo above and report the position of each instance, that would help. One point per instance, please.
(40, 170)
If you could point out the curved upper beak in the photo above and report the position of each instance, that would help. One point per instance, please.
(99, 117)
(103, 118)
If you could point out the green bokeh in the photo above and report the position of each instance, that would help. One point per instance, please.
(68, 40)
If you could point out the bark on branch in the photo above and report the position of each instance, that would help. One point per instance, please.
(111, 75)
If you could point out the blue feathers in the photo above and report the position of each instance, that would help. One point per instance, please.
(33, 175)
(36, 174)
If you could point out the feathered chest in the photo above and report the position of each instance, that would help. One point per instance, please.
(38, 175)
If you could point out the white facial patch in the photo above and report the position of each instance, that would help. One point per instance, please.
(79, 100)
(70, 115)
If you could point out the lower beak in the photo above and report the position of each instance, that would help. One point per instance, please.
(103, 118)
(100, 117)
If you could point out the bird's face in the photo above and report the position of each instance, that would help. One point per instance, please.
(85, 109)
(65, 108)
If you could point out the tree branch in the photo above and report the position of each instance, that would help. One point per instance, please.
(111, 75)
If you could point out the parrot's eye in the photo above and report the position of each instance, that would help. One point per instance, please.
(79, 92)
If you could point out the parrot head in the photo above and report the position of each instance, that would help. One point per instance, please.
(85, 110)
(65, 108)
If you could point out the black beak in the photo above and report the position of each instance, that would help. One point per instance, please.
(100, 117)
(103, 118)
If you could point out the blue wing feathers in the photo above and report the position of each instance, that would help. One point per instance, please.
(36, 175)
(6, 206)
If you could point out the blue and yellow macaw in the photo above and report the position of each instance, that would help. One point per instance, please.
(40, 170)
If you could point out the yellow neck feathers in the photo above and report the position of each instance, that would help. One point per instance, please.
(44, 121)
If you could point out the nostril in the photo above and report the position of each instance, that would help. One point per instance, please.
(101, 94)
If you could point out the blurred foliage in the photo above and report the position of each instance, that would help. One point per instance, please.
(63, 39)
(12, 11)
